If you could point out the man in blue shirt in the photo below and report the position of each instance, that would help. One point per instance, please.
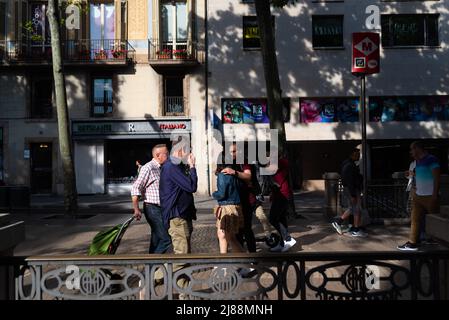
(177, 184)
(426, 196)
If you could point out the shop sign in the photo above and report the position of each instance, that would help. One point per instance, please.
(129, 127)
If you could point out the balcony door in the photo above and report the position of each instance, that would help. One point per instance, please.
(40, 32)
(174, 25)
(102, 29)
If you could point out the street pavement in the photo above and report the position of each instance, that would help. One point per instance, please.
(49, 232)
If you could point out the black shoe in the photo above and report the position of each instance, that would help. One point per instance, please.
(408, 246)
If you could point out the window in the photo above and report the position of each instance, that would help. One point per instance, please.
(102, 96)
(102, 30)
(327, 31)
(251, 37)
(2, 21)
(40, 34)
(2, 29)
(410, 30)
(173, 96)
(42, 89)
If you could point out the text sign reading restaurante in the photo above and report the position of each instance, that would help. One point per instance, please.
(365, 52)
(129, 127)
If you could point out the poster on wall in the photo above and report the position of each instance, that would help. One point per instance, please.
(329, 110)
(250, 110)
(245, 111)
(409, 108)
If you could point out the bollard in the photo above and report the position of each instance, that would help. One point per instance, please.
(331, 194)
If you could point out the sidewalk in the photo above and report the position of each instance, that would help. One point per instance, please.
(95, 204)
(53, 234)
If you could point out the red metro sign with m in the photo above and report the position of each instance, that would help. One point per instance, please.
(365, 52)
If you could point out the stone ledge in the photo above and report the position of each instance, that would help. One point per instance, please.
(11, 235)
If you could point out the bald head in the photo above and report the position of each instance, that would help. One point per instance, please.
(160, 153)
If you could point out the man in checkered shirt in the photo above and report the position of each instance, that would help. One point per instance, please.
(147, 186)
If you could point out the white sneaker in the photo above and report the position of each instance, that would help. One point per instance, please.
(244, 272)
(288, 245)
(278, 248)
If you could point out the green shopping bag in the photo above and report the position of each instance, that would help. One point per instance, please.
(102, 243)
(107, 241)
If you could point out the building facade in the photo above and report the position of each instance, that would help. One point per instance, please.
(407, 100)
(138, 71)
(133, 71)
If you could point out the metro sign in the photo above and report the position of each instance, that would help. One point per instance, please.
(365, 52)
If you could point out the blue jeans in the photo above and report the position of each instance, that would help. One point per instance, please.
(160, 239)
(278, 218)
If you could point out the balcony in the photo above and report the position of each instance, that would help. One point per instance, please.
(172, 55)
(174, 106)
(74, 52)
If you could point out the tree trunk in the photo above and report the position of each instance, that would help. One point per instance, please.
(270, 67)
(65, 148)
(272, 82)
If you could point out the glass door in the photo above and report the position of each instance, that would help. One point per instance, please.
(102, 30)
(40, 31)
(174, 31)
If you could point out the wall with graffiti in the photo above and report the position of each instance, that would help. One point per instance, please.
(329, 110)
(409, 108)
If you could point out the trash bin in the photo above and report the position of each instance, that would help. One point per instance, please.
(19, 197)
(4, 197)
(331, 180)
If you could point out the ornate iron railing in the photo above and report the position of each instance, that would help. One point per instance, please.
(174, 106)
(184, 50)
(387, 201)
(384, 200)
(298, 276)
(73, 51)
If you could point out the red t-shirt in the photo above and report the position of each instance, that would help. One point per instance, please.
(281, 179)
(251, 196)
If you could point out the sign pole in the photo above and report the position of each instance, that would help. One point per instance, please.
(365, 60)
(364, 142)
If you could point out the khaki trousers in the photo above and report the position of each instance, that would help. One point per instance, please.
(421, 205)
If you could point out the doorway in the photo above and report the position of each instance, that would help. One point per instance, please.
(41, 167)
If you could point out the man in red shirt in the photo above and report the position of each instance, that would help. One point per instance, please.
(280, 198)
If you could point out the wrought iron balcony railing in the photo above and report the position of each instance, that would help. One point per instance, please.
(73, 51)
(173, 50)
(174, 106)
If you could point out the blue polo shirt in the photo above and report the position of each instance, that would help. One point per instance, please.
(176, 188)
(423, 174)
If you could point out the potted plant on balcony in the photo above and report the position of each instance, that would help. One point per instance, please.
(119, 52)
(164, 54)
(101, 55)
(180, 54)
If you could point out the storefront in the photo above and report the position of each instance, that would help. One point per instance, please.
(106, 152)
(327, 128)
